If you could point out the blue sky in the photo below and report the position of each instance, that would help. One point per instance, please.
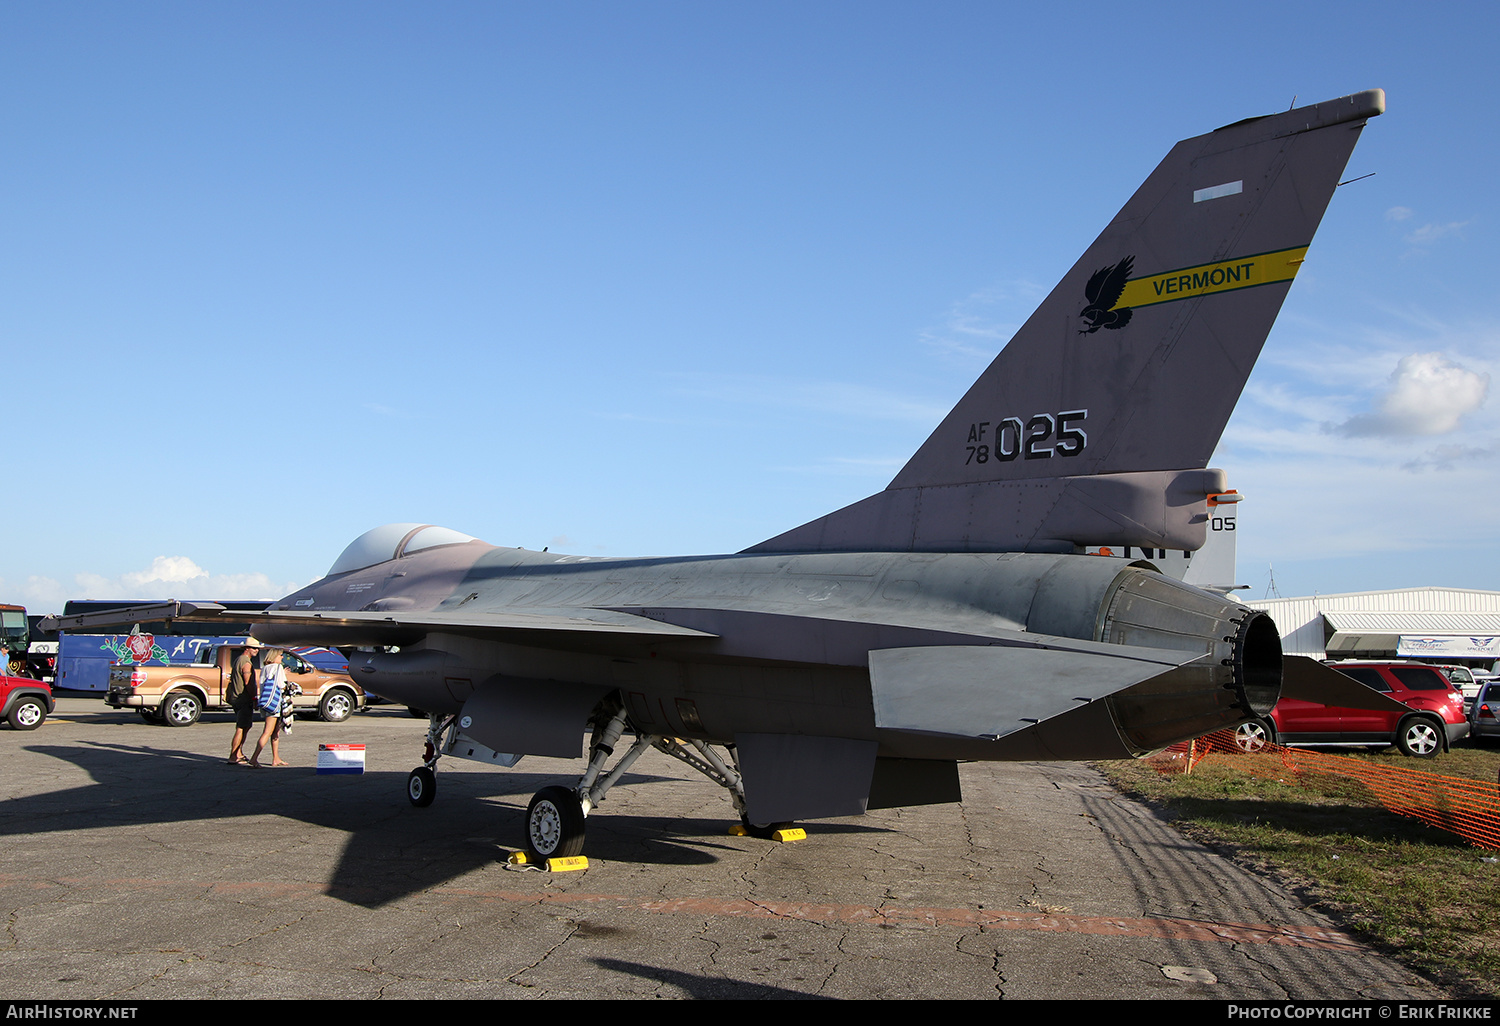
(662, 278)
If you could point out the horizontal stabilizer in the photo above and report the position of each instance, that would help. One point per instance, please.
(1310, 681)
(990, 691)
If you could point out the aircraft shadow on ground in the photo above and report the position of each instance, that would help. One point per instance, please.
(392, 849)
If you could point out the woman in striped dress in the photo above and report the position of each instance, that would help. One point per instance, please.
(268, 703)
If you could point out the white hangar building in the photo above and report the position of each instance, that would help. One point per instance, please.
(1440, 625)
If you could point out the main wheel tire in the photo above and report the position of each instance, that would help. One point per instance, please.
(336, 706)
(1254, 736)
(28, 714)
(1419, 738)
(764, 831)
(421, 786)
(554, 824)
(181, 709)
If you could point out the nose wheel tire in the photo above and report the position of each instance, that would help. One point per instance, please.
(1419, 739)
(421, 786)
(554, 824)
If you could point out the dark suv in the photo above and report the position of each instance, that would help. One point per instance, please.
(1484, 723)
(1434, 718)
(24, 702)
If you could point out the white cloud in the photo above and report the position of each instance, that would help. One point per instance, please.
(979, 325)
(1430, 232)
(881, 468)
(168, 577)
(170, 569)
(1427, 396)
(829, 397)
(1302, 507)
(1339, 457)
(1452, 457)
(40, 594)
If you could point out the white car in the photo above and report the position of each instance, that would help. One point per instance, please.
(1466, 680)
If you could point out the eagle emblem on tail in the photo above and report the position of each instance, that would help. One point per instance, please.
(1103, 292)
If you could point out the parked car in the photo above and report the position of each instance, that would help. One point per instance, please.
(1481, 678)
(25, 702)
(1463, 678)
(1433, 721)
(176, 695)
(1484, 713)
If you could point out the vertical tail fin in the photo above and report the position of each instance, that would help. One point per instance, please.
(1095, 422)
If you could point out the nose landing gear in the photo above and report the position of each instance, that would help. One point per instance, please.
(421, 786)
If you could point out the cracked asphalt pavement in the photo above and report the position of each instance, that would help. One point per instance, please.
(139, 866)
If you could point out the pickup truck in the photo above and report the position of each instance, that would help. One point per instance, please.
(177, 695)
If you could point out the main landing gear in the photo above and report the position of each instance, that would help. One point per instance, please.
(556, 817)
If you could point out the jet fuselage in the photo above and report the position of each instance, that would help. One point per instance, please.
(784, 642)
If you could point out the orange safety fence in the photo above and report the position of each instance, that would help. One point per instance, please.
(1460, 805)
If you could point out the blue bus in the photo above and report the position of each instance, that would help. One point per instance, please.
(83, 660)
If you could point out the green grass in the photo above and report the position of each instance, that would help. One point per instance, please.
(1423, 895)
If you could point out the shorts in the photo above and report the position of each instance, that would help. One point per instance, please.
(244, 715)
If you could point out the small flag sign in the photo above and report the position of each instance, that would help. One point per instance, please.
(341, 758)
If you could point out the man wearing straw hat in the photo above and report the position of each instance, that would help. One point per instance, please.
(240, 696)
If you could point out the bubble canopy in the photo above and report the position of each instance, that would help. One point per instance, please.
(392, 540)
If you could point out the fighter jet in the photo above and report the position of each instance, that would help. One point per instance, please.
(850, 663)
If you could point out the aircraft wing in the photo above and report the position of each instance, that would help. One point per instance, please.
(149, 612)
(317, 623)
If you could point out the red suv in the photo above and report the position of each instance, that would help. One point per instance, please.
(1434, 718)
(24, 702)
